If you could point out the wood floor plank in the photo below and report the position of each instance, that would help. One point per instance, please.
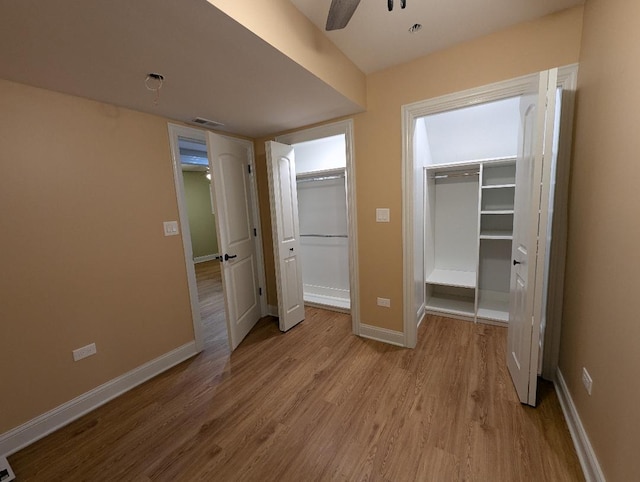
(318, 403)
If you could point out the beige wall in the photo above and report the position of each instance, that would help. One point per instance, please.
(600, 324)
(526, 48)
(523, 49)
(283, 26)
(84, 188)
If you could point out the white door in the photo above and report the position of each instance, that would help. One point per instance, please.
(234, 222)
(525, 313)
(283, 197)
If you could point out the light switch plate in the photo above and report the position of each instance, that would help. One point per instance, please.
(382, 215)
(171, 228)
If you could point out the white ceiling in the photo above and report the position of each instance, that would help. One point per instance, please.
(214, 67)
(376, 39)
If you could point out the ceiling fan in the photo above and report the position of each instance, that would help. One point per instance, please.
(341, 11)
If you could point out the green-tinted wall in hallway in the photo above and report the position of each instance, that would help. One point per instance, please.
(201, 222)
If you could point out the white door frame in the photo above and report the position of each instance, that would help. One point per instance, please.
(568, 80)
(175, 131)
(410, 113)
(336, 128)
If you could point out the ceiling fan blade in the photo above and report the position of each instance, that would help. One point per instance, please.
(340, 12)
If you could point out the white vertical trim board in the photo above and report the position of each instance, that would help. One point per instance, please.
(257, 239)
(586, 455)
(568, 80)
(176, 131)
(43, 425)
(382, 334)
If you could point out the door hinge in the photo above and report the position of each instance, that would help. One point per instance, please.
(249, 168)
(255, 232)
(260, 291)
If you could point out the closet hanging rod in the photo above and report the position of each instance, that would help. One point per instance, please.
(457, 174)
(320, 178)
(324, 236)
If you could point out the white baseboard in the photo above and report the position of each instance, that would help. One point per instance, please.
(327, 307)
(586, 455)
(272, 311)
(202, 259)
(421, 314)
(382, 334)
(43, 425)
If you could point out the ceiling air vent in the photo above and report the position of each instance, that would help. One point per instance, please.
(201, 121)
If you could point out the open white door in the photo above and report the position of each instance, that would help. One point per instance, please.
(536, 119)
(231, 183)
(283, 197)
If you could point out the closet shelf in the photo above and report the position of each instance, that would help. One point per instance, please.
(493, 305)
(497, 211)
(449, 277)
(499, 186)
(494, 161)
(496, 235)
(453, 305)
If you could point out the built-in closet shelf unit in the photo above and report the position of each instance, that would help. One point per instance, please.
(469, 229)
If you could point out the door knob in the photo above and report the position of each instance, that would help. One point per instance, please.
(227, 257)
(516, 262)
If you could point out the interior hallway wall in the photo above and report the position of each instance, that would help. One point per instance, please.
(202, 222)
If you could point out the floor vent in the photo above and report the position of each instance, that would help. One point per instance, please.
(201, 121)
(6, 474)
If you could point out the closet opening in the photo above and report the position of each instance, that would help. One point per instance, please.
(485, 205)
(325, 222)
(322, 213)
(469, 159)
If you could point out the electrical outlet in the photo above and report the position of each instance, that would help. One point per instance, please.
(386, 302)
(382, 215)
(586, 380)
(84, 352)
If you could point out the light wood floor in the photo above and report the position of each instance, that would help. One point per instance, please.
(209, 283)
(318, 403)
